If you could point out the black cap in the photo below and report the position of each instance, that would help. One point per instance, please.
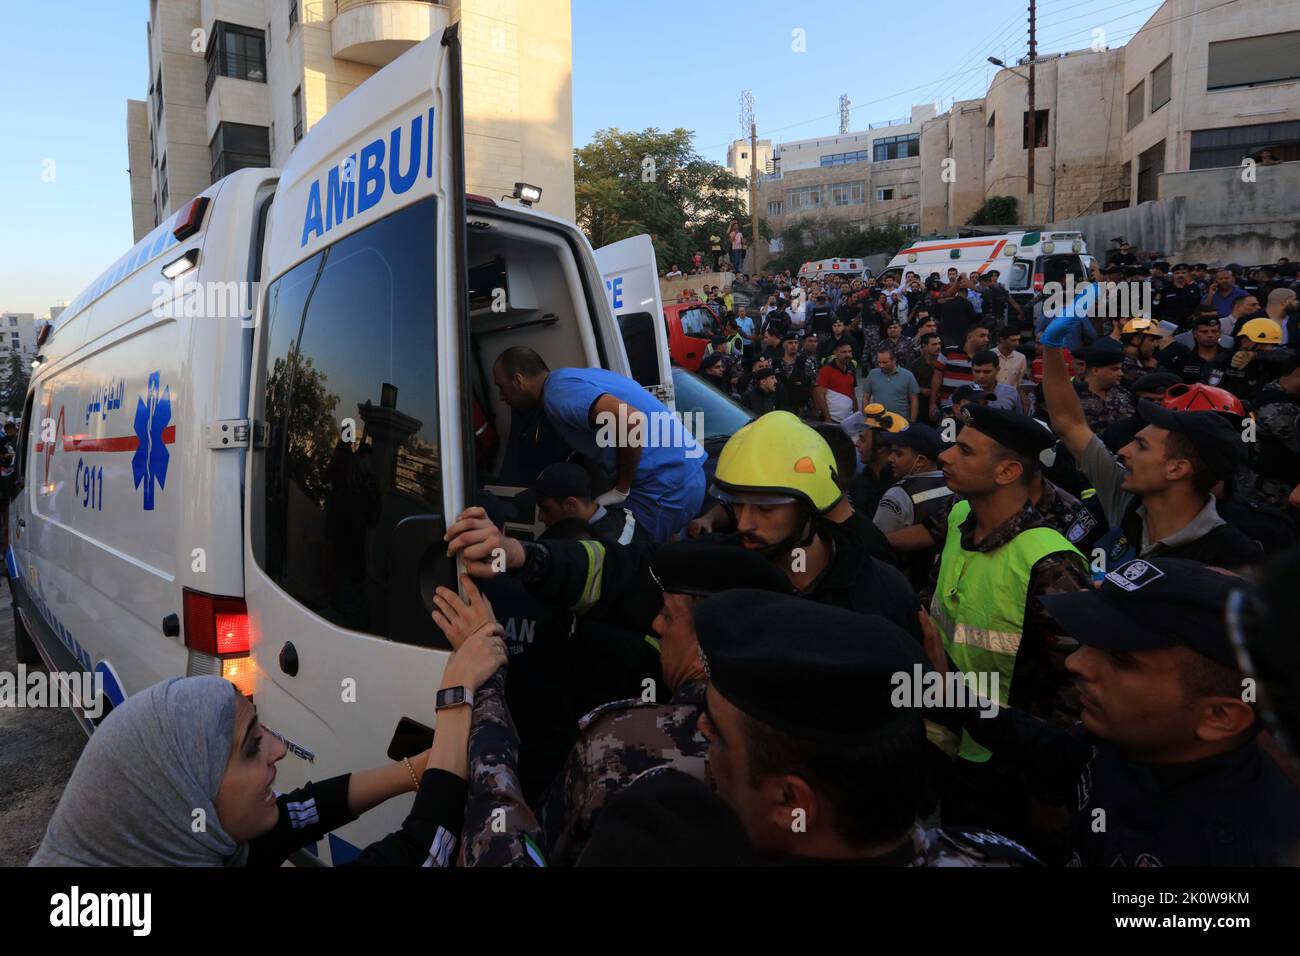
(763, 373)
(716, 358)
(806, 669)
(564, 479)
(919, 437)
(667, 818)
(1103, 357)
(1019, 433)
(971, 393)
(1156, 382)
(705, 569)
(1152, 603)
(1218, 444)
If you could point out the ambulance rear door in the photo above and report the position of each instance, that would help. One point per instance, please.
(360, 451)
(631, 277)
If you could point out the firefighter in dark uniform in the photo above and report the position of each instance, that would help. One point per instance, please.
(1166, 768)
(563, 492)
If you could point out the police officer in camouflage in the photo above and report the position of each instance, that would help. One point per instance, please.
(623, 739)
(811, 743)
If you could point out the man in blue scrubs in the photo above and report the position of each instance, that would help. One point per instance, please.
(657, 465)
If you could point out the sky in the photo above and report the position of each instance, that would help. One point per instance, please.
(65, 199)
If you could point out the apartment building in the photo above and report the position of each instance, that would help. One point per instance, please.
(237, 83)
(17, 334)
(866, 178)
(1202, 85)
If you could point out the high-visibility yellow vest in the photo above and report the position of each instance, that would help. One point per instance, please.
(979, 604)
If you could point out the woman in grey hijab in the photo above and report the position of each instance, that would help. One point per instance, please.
(180, 775)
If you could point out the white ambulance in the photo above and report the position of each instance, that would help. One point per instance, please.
(243, 443)
(822, 268)
(1025, 261)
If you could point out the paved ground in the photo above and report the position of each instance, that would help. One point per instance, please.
(38, 749)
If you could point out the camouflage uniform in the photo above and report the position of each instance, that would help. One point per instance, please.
(619, 742)
(1134, 370)
(1102, 413)
(941, 846)
(1277, 420)
(1041, 684)
(500, 829)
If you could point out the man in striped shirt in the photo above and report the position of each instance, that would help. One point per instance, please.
(953, 368)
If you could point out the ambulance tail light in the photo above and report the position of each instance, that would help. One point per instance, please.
(1039, 281)
(480, 200)
(241, 672)
(190, 219)
(216, 625)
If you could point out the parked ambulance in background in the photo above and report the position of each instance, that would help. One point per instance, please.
(243, 443)
(822, 268)
(1025, 261)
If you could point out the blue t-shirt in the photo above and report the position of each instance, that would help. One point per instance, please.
(746, 325)
(1223, 303)
(670, 457)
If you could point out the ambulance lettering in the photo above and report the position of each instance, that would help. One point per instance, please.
(360, 181)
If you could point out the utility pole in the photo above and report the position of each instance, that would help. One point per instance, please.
(747, 118)
(1033, 112)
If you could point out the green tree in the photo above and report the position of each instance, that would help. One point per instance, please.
(996, 211)
(301, 407)
(629, 183)
(17, 377)
(821, 237)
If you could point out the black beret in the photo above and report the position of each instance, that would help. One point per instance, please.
(1103, 357)
(971, 393)
(806, 669)
(703, 569)
(1156, 382)
(763, 373)
(668, 818)
(712, 359)
(1019, 433)
(1218, 443)
(1152, 603)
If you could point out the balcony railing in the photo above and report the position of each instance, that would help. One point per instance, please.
(237, 66)
(342, 6)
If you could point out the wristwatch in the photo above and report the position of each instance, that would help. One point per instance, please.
(453, 697)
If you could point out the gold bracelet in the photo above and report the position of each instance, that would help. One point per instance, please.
(411, 770)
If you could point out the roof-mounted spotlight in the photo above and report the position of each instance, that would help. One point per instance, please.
(527, 194)
(178, 267)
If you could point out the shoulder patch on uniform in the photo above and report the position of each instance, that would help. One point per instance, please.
(1081, 527)
(1134, 575)
(990, 845)
(612, 707)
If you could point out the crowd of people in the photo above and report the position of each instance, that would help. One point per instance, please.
(979, 585)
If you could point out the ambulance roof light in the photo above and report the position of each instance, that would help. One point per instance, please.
(178, 267)
(527, 194)
(190, 219)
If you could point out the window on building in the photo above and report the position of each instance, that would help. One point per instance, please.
(991, 138)
(335, 514)
(1150, 165)
(1161, 84)
(13, 320)
(1215, 148)
(297, 114)
(744, 155)
(1041, 124)
(1137, 102)
(848, 194)
(236, 51)
(884, 195)
(157, 103)
(844, 159)
(896, 147)
(162, 184)
(809, 197)
(13, 337)
(775, 208)
(293, 13)
(1273, 58)
(238, 146)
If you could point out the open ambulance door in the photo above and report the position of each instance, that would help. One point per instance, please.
(631, 277)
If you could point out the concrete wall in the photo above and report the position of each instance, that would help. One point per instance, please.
(1208, 215)
(137, 142)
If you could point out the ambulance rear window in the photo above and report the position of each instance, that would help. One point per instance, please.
(353, 470)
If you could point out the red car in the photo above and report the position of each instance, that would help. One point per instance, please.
(691, 326)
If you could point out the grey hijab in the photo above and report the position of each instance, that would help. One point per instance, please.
(153, 761)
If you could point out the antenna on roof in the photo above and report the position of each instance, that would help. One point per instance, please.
(845, 104)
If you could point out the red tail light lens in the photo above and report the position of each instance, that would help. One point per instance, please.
(216, 625)
(1038, 282)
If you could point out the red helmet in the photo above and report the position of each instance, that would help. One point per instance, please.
(1203, 398)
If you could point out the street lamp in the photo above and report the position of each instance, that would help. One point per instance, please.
(996, 62)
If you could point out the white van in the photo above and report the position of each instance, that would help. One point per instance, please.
(1025, 261)
(243, 443)
(822, 268)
